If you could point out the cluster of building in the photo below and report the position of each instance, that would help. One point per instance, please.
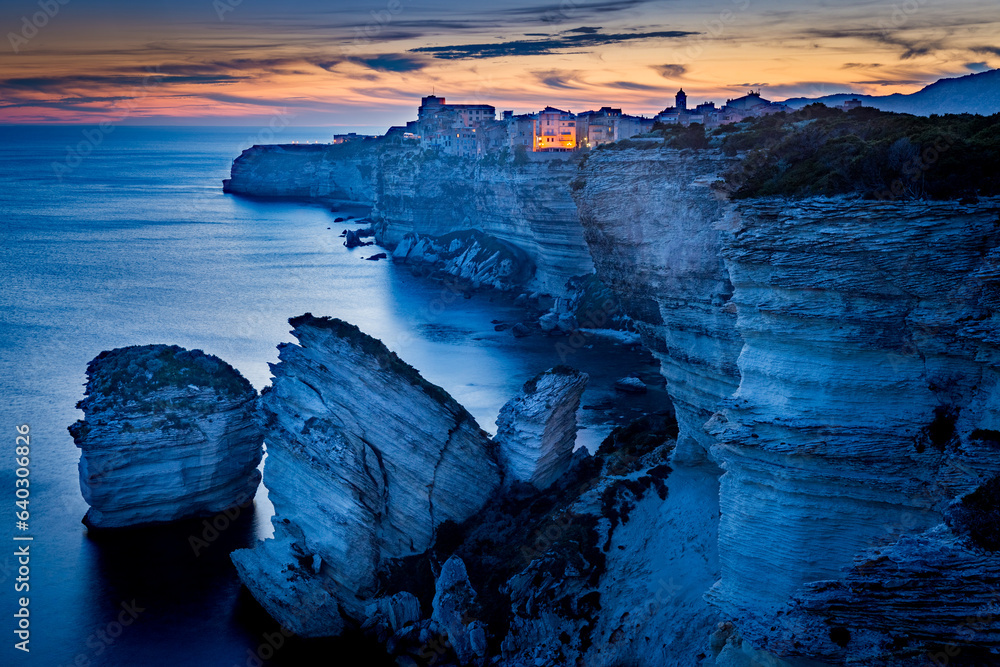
(707, 114)
(472, 130)
(735, 110)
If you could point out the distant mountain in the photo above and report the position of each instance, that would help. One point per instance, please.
(975, 93)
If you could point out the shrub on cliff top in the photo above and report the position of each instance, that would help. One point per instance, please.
(128, 373)
(876, 154)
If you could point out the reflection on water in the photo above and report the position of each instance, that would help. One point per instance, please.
(139, 245)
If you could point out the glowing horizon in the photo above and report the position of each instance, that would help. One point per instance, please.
(366, 65)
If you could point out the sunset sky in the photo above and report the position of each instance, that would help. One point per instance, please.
(367, 62)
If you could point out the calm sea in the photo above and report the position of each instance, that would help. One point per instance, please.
(136, 244)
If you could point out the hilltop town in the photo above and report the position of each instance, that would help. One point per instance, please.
(472, 130)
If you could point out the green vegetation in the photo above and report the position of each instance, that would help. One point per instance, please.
(680, 136)
(512, 530)
(878, 155)
(625, 144)
(131, 373)
(819, 150)
(627, 444)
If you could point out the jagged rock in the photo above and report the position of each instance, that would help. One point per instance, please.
(896, 603)
(520, 330)
(549, 321)
(659, 249)
(353, 240)
(365, 460)
(388, 616)
(631, 385)
(842, 403)
(567, 323)
(524, 206)
(470, 256)
(377, 256)
(886, 321)
(167, 433)
(454, 598)
(619, 579)
(536, 430)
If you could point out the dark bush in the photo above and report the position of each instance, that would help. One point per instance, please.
(879, 155)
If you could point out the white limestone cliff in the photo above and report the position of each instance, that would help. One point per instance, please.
(656, 232)
(167, 434)
(525, 207)
(837, 359)
(365, 459)
(869, 365)
(536, 430)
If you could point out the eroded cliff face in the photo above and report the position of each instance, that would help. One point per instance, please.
(528, 205)
(345, 172)
(868, 378)
(656, 232)
(167, 434)
(365, 460)
(421, 195)
(837, 359)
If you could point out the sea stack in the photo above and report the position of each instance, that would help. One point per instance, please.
(536, 430)
(167, 434)
(365, 459)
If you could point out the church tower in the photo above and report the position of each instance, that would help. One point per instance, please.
(682, 100)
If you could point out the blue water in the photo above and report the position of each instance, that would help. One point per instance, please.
(136, 244)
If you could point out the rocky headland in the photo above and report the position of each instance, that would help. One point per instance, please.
(823, 489)
(502, 223)
(167, 434)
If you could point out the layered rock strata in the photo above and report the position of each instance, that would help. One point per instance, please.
(837, 359)
(526, 204)
(656, 232)
(521, 204)
(868, 370)
(342, 173)
(365, 460)
(536, 430)
(468, 257)
(167, 434)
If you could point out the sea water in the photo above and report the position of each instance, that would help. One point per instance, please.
(129, 240)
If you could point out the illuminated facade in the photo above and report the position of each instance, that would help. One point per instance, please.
(555, 131)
